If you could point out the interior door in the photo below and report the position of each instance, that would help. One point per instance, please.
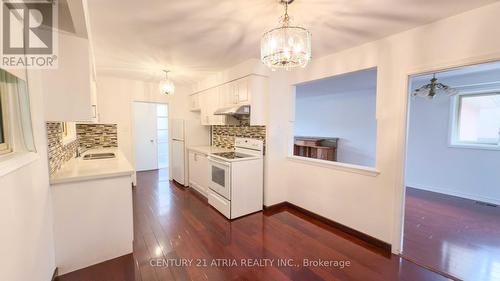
(145, 136)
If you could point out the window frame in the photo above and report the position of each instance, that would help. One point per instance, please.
(68, 131)
(372, 171)
(6, 146)
(454, 126)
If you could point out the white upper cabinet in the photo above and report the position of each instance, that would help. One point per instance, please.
(93, 102)
(204, 110)
(225, 97)
(68, 89)
(93, 93)
(232, 95)
(235, 92)
(209, 103)
(242, 90)
(250, 90)
(256, 95)
(194, 102)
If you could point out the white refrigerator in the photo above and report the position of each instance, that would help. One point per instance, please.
(183, 134)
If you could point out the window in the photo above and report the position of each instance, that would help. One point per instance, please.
(16, 132)
(162, 134)
(68, 132)
(477, 120)
(4, 128)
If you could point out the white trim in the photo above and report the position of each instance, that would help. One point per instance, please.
(453, 130)
(71, 134)
(400, 186)
(14, 161)
(6, 146)
(68, 140)
(475, 146)
(350, 168)
(456, 194)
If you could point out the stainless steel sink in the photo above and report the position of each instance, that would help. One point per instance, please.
(95, 156)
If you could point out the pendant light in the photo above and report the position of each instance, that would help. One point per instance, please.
(286, 46)
(167, 87)
(434, 88)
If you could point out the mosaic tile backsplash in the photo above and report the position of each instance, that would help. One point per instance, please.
(58, 152)
(223, 136)
(97, 135)
(87, 136)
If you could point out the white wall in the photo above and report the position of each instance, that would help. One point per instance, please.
(373, 204)
(26, 234)
(433, 165)
(115, 98)
(367, 200)
(349, 116)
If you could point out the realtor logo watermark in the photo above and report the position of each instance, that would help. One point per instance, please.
(28, 36)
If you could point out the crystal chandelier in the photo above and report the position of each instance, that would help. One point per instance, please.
(287, 46)
(433, 88)
(166, 85)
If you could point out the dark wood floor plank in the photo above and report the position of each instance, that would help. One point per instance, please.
(452, 235)
(172, 222)
(119, 269)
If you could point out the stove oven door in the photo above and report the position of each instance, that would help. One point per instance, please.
(220, 177)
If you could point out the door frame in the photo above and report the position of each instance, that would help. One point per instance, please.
(400, 189)
(132, 128)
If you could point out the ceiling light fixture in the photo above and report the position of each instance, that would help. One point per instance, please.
(167, 87)
(287, 46)
(434, 88)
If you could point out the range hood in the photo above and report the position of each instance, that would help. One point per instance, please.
(239, 110)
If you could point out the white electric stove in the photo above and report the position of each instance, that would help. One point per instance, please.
(236, 180)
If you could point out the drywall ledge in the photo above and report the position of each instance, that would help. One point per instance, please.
(14, 161)
(350, 168)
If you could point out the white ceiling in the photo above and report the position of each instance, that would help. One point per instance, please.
(467, 75)
(195, 38)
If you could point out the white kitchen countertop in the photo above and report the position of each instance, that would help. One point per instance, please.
(206, 149)
(78, 169)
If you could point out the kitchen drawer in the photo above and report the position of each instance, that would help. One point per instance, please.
(220, 203)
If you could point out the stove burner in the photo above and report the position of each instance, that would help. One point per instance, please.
(231, 155)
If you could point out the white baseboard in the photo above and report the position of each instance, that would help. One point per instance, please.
(456, 193)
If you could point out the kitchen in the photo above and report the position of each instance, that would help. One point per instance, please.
(152, 140)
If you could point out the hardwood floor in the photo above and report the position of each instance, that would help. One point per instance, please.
(119, 269)
(175, 224)
(453, 235)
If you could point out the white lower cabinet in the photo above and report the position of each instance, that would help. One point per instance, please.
(93, 221)
(198, 172)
